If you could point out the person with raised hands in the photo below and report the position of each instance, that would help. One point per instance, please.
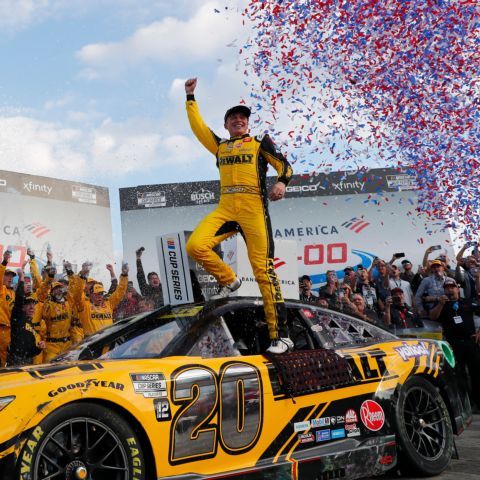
(7, 299)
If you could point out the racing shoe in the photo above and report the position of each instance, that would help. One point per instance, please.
(280, 345)
(226, 290)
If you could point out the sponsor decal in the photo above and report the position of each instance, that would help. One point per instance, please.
(338, 433)
(301, 426)
(407, 351)
(36, 229)
(308, 231)
(351, 416)
(150, 385)
(342, 186)
(91, 382)
(202, 196)
(84, 194)
(151, 199)
(162, 409)
(304, 188)
(340, 419)
(244, 158)
(402, 182)
(355, 224)
(333, 420)
(386, 460)
(320, 422)
(306, 437)
(36, 187)
(323, 435)
(247, 139)
(353, 432)
(372, 415)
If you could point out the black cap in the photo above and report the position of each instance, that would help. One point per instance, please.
(305, 277)
(238, 109)
(348, 269)
(405, 261)
(360, 267)
(30, 299)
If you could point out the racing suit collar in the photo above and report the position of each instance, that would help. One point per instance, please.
(239, 137)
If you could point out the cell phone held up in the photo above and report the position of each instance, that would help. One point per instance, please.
(399, 255)
(471, 244)
(436, 247)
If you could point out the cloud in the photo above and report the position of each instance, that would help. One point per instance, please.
(110, 148)
(204, 36)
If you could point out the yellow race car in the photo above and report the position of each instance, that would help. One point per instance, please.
(188, 393)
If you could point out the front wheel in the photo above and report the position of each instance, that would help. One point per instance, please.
(82, 441)
(424, 429)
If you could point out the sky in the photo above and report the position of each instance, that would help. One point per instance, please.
(93, 90)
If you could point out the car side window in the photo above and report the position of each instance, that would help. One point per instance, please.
(215, 342)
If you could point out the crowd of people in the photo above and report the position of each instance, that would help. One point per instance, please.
(391, 295)
(44, 313)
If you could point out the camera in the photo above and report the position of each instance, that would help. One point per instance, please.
(396, 300)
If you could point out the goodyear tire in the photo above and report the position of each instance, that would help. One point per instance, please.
(82, 441)
(424, 430)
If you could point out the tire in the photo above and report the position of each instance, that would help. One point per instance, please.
(82, 440)
(424, 430)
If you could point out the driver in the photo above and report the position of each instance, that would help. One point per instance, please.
(242, 161)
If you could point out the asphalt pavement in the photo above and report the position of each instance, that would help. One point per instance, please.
(467, 466)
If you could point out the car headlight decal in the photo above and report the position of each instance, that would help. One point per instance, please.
(4, 401)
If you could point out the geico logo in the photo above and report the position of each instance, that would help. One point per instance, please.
(88, 383)
(304, 188)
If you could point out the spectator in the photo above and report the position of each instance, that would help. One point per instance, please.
(323, 302)
(97, 312)
(345, 299)
(456, 317)
(153, 289)
(329, 291)
(306, 294)
(129, 305)
(398, 314)
(350, 277)
(367, 289)
(397, 282)
(363, 311)
(466, 273)
(431, 288)
(113, 279)
(145, 305)
(382, 283)
(7, 299)
(26, 343)
(407, 273)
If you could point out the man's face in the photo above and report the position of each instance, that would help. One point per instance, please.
(437, 270)
(471, 262)
(154, 280)
(8, 279)
(350, 274)
(398, 298)
(394, 271)
(97, 298)
(331, 277)
(407, 267)
(27, 286)
(306, 284)
(237, 124)
(29, 309)
(363, 275)
(452, 292)
(359, 302)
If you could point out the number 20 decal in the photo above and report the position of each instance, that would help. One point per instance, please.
(225, 409)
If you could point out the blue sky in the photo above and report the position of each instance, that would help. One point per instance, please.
(92, 90)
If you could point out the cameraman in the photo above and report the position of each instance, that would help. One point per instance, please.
(399, 314)
(456, 316)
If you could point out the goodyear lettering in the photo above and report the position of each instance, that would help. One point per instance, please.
(88, 383)
(236, 159)
(28, 451)
(136, 461)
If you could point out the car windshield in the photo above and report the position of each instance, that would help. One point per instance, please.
(149, 336)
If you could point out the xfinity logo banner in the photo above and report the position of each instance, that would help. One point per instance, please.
(174, 269)
(35, 187)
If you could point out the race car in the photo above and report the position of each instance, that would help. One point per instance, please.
(188, 392)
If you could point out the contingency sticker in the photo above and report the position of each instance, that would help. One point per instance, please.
(150, 385)
(162, 409)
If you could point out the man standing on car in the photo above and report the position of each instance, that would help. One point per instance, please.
(242, 161)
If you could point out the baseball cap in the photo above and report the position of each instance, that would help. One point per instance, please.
(449, 281)
(406, 261)
(30, 299)
(10, 272)
(437, 262)
(305, 277)
(98, 288)
(90, 280)
(396, 290)
(56, 284)
(347, 269)
(360, 267)
(238, 109)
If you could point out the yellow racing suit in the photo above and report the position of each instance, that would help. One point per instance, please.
(41, 289)
(7, 300)
(93, 318)
(242, 163)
